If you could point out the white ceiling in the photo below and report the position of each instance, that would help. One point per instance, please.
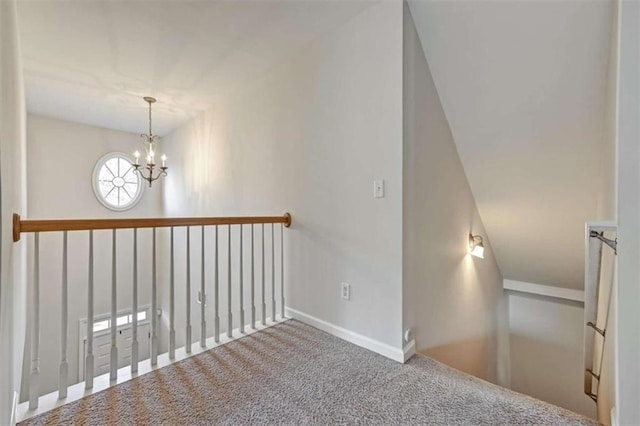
(522, 84)
(523, 87)
(92, 61)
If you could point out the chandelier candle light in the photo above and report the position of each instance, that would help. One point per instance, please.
(149, 140)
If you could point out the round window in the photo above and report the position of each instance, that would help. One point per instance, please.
(116, 183)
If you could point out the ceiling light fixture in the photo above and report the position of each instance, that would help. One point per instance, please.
(476, 247)
(149, 147)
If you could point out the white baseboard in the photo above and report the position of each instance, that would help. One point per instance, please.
(396, 354)
(14, 409)
(409, 350)
(614, 417)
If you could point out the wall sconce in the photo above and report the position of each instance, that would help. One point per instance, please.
(476, 248)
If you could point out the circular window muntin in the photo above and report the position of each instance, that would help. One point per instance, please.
(95, 182)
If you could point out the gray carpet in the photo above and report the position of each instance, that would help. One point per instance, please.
(295, 374)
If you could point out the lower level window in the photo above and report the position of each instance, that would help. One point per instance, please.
(104, 323)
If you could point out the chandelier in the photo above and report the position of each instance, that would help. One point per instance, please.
(148, 141)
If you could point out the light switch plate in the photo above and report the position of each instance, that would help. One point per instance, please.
(345, 291)
(378, 189)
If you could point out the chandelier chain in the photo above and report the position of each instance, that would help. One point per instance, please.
(150, 167)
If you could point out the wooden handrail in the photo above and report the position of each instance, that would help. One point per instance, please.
(25, 226)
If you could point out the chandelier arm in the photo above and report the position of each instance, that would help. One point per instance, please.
(150, 178)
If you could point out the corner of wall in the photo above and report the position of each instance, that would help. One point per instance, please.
(13, 199)
(440, 279)
(14, 409)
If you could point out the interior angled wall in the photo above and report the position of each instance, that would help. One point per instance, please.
(310, 137)
(627, 315)
(453, 302)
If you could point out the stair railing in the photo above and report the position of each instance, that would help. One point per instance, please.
(595, 241)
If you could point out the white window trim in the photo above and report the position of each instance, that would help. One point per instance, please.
(96, 187)
(107, 317)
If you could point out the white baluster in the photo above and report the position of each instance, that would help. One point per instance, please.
(282, 271)
(188, 343)
(88, 363)
(216, 295)
(154, 304)
(64, 323)
(253, 290)
(273, 274)
(134, 318)
(34, 376)
(172, 314)
(241, 288)
(114, 312)
(229, 314)
(264, 303)
(203, 297)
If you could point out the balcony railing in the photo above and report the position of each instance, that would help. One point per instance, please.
(236, 297)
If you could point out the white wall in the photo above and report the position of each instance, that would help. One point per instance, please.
(12, 199)
(452, 300)
(547, 333)
(628, 208)
(546, 339)
(526, 109)
(310, 137)
(61, 158)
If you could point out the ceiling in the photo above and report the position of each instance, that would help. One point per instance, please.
(523, 86)
(93, 61)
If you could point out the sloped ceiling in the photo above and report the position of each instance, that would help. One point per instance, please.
(523, 87)
(93, 61)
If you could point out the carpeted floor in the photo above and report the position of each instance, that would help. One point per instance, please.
(295, 374)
